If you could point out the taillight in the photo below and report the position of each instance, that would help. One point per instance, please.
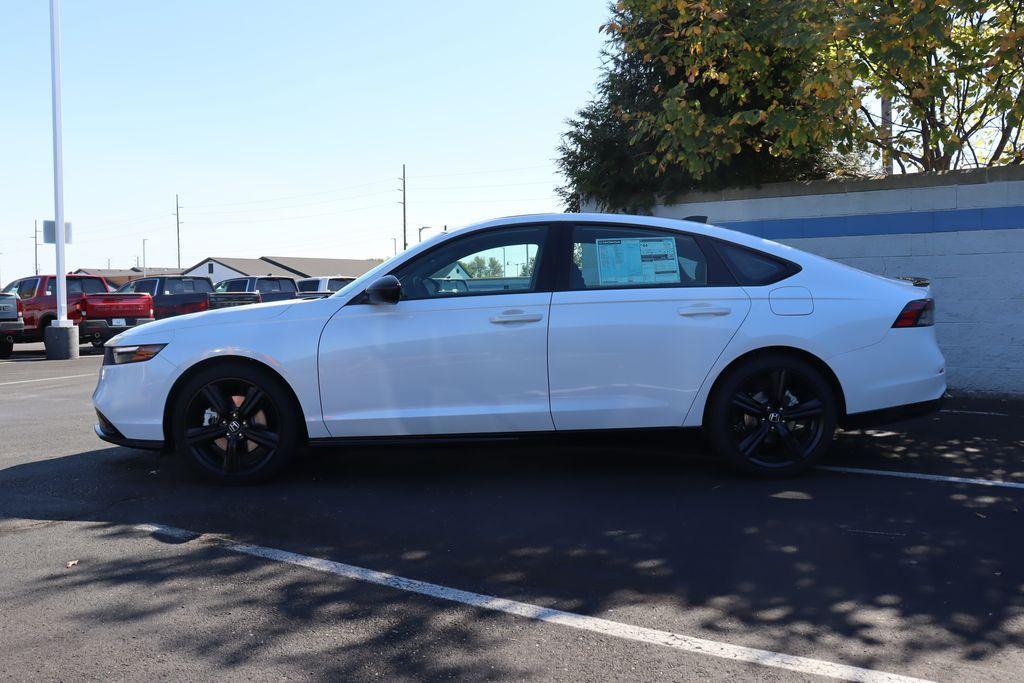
(21, 309)
(917, 313)
(259, 298)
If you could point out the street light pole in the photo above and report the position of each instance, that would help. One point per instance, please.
(62, 338)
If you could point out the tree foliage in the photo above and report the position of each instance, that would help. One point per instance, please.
(954, 71)
(479, 267)
(707, 93)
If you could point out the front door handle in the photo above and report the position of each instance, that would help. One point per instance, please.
(696, 310)
(516, 318)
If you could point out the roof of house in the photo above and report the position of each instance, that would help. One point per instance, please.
(322, 267)
(249, 266)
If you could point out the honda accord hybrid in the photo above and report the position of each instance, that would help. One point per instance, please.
(532, 325)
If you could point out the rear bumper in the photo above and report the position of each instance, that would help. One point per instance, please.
(877, 418)
(104, 330)
(11, 327)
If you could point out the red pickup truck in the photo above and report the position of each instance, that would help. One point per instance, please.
(98, 313)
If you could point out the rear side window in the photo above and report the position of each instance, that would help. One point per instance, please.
(751, 267)
(625, 257)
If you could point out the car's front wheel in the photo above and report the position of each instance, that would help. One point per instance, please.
(772, 415)
(236, 423)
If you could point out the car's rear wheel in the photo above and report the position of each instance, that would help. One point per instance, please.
(773, 415)
(236, 423)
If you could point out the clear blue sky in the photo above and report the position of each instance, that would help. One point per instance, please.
(283, 125)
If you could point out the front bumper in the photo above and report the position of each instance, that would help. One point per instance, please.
(132, 398)
(103, 330)
(109, 433)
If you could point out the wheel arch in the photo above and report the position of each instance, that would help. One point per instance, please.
(802, 354)
(192, 371)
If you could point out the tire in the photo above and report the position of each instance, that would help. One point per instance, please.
(6, 347)
(223, 437)
(747, 423)
(44, 322)
(97, 344)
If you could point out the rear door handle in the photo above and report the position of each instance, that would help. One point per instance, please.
(516, 318)
(696, 310)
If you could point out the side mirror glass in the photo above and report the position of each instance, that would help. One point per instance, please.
(384, 290)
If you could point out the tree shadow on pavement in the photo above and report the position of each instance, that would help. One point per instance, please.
(862, 570)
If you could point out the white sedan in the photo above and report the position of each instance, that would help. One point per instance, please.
(534, 324)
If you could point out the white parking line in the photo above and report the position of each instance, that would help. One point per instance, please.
(928, 477)
(701, 646)
(46, 379)
(975, 412)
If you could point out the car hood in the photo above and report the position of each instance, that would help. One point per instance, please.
(162, 331)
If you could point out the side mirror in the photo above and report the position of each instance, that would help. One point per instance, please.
(384, 290)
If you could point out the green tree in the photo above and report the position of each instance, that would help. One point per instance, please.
(695, 96)
(479, 267)
(953, 70)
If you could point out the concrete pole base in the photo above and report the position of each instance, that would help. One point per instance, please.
(61, 342)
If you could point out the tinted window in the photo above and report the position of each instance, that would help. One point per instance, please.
(493, 262)
(287, 285)
(145, 287)
(78, 285)
(620, 257)
(26, 288)
(232, 286)
(753, 267)
(337, 283)
(268, 285)
(308, 285)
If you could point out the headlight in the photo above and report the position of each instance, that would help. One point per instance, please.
(119, 355)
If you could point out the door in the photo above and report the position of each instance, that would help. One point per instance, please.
(645, 316)
(463, 351)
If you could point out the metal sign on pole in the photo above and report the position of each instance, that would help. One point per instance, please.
(50, 232)
(62, 338)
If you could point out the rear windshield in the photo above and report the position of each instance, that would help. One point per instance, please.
(232, 286)
(188, 285)
(337, 283)
(79, 285)
(309, 285)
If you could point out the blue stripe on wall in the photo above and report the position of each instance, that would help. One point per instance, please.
(1000, 218)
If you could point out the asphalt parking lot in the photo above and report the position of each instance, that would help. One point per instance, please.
(619, 558)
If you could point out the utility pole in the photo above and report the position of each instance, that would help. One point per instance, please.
(144, 273)
(887, 134)
(177, 222)
(35, 243)
(405, 237)
(108, 264)
(394, 245)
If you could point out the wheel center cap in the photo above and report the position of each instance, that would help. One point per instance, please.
(774, 417)
(234, 426)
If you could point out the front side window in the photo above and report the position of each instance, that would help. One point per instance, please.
(624, 257)
(145, 287)
(501, 261)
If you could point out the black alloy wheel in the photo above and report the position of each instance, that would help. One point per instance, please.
(236, 424)
(774, 416)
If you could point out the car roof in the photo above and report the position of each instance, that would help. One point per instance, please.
(693, 227)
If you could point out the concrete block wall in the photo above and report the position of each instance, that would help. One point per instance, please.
(964, 230)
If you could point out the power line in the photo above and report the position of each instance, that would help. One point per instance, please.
(295, 206)
(294, 196)
(295, 218)
(498, 170)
